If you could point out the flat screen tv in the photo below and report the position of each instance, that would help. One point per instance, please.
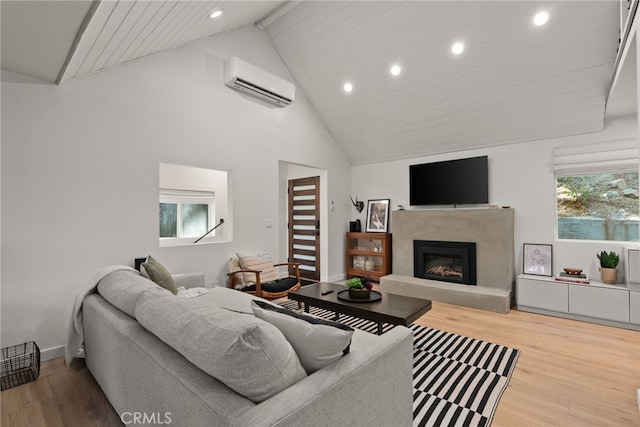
(452, 182)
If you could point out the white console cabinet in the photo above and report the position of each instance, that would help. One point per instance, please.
(613, 305)
(542, 294)
(634, 306)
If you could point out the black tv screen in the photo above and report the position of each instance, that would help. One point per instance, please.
(452, 182)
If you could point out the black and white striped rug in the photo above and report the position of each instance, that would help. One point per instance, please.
(457, 380)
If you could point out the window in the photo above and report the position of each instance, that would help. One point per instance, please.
(597, 191)
(185, 214)
(191, 202)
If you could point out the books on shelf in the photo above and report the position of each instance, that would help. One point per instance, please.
(573, 278)
(580, 275)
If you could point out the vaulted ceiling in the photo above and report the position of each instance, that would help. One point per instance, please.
(513, 82)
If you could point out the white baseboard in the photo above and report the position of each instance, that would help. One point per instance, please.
(51, 353)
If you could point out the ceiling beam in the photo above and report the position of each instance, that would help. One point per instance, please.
(62, 75)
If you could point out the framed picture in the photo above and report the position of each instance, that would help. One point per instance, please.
(378, 216)
(538, 259)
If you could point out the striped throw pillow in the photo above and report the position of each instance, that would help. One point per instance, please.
(261, 262)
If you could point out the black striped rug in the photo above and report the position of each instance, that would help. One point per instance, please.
(457, 380)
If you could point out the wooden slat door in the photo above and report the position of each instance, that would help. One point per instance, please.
(304, 225)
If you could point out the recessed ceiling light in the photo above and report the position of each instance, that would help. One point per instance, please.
(457, 48)
(396, 70)
(215, 14)
(541, 18)
(348, 87)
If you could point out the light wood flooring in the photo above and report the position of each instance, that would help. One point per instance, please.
(569, 374)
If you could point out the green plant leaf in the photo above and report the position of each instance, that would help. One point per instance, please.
(608, 259)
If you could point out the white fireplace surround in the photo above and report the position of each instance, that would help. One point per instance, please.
(493, 232)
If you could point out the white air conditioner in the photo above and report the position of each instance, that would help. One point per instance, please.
(248, 78)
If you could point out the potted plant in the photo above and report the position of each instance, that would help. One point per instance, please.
(608, 263)
(360, 287)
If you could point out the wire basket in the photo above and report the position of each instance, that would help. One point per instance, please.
(20, 364)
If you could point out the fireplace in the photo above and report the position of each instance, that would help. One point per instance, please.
(446, 261)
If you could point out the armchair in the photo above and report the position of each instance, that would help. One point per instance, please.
(256, 270)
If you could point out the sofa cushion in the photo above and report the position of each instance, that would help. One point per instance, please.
(247, 354)
(229, 299)
(280, 285)
(159, 274)
(317, 342)
(123, 288)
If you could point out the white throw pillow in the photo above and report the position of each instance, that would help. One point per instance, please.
(261, 262)
(317, 342)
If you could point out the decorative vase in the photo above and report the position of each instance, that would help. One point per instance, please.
(608, 275)
(369, 264)
(359, 293)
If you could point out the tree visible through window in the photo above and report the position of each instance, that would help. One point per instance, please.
(183, 219)
(598, 206)
(184, 213)
(168, 220)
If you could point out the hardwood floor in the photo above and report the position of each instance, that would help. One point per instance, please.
(569, 374)
(61, 396)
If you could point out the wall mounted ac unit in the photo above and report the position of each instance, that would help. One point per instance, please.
(248, 78)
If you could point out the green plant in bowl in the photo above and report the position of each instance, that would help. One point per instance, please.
(608, 259)
(359, 287)
(608, 263)
(354, 283)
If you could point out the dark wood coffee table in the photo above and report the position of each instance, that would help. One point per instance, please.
(393, 309)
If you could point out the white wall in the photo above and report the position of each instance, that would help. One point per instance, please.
(520, 176)
(80, 173)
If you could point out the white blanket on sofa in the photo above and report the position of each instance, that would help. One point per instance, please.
(74, 337)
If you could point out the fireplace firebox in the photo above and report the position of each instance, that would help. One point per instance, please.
(446, 261)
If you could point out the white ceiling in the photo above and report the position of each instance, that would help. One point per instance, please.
(93, 36)
(122, 31)
(36, 36)
(514, 82)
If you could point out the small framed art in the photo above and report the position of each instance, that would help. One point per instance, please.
(378, 216)
(538, 259)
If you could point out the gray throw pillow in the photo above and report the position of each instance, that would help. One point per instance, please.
(160, 275)
(247, 354)
(317, 342)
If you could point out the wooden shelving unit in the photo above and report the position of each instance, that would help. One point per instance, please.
(368, 253)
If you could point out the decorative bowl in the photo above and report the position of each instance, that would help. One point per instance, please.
(359, 293)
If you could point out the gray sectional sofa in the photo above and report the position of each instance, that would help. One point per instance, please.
(141, 374)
